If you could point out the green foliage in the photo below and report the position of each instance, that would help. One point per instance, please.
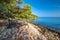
(7, 5)
(27, 6)
(28, 13)
(10, 5)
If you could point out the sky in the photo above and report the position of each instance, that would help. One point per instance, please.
(45, 8)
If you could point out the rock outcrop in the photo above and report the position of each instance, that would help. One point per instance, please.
(26, 31)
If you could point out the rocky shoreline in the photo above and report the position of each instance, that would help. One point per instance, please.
(26, 31)
(41, 26)
(51, 34)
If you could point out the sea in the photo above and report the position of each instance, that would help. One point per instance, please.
(49, 22)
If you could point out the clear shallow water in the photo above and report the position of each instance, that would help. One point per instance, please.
(49, 22)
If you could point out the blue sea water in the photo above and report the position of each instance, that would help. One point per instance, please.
(49, 22)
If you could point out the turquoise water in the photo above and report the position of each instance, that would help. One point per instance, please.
(49, 22)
